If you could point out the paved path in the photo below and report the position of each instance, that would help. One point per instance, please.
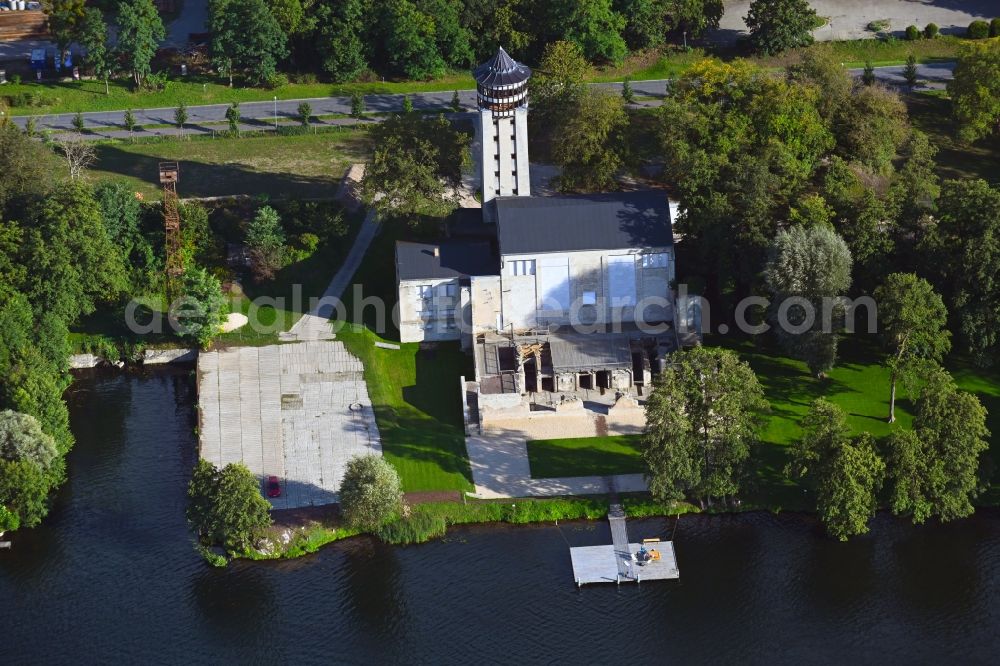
(849, 19)
(932, 76)
(315, 324)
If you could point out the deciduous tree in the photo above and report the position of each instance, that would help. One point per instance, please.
(416, 166)
(140, 31)
(912, 319)
(370, 493)
(199, 313)
(934, 469)
(975, 90)
(65, 18)
(778, 25)
(589, 149)
(21, 438)
(246, 38)
(814, 264)
(703, 419)
(226, 507)
(339, 38)
(265, 239)
(94, 39)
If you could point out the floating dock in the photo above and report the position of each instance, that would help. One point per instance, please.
(617, 563)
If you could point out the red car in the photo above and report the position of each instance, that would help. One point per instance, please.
(273, 487)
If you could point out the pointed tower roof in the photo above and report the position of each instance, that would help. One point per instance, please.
(501, 70)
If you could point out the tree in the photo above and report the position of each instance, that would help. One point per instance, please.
(811, 263)
(556, 89)
(628, 95)
(913, 319)
(68, 243)
(24, 490)
(456, 103)
(703, 418)
(871, 128)
(246, 38)
(305, 113)
(78, 123)
(416, 166)
(868, 74)
(845, 473)
(180, 116)
(407, 104)
(738, 145)
(22, 439)
(845, 497)
(198, 314)
(649, 23)
(9, 521)
(94, 38)
(779, 25)
(964, 249)
(140, 32)
(265, 239)
(975, 90)
(289, 14)
(130, 123)
(79, 154)
(26, 166)
(934, 468)
(915, 189)
(370, 494)
(226, 507)
(233, 118)
(357, 105)
(595, 27)
(410, 39)
(339, 39)
(819, 66)
(910, 71)
(65, 19)
(590, 144)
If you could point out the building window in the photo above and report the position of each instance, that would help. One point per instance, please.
(426, 292)
(656, 260)
(522, 267)
(589, 298)
(448, 290)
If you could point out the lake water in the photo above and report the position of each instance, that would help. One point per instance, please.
(111, 576)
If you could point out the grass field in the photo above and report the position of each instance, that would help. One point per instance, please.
(585, 456)
(286, 166)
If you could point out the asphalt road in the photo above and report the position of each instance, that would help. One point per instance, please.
(261, 115)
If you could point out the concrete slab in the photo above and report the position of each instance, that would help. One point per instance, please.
(297, 411)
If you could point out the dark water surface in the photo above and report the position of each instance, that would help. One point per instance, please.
(112, 577)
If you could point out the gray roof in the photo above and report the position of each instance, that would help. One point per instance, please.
(455, 259)
(501, 70)
(615, 221)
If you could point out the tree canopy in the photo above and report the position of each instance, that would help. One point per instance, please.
(975, 89)
(246, 38)
(589, 148)
(778, 25)
(140, 31)
(226, 507)
(416, 166)
(912, 320)
(812, 264)
(934, 468)
(703, 418)
(370, 493)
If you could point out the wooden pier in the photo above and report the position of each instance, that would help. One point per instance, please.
(617, 563)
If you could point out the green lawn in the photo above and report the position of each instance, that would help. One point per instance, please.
(415, 392)
(860, 385)
(585, 456)
(285, 166)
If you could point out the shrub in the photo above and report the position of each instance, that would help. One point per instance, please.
(304, 77)
(370, 494)
(156, 82)
(15, 79)
(276, 80)
(995, 27)
(420, 527)
(978, 30)
(931, 30)
(880, 25)
(912, 33)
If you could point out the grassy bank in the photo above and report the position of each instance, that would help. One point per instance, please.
(931, 113)
(290, 166)
(585, 456)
